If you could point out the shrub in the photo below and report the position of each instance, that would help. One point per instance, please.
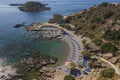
(104, 4)
(93, 26)
(108, 47)
(112, 35)
(97, 41)
(86, 55)
(108, 14)
(69, 77)
(107, 73)
(84, 41)
(66, 26)
(80, 66)
(96, 20)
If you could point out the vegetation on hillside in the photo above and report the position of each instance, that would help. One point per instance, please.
(107, 73)
(97, 41)
(100, 23)
(69, 77)
(86, 55)
(108, 47)
(93, 22)
(112, 35)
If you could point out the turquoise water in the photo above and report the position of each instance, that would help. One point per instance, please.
(15, 43)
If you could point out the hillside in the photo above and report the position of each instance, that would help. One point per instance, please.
(99, 26)
(96, 20)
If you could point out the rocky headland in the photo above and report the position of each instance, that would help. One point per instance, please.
(34, 66)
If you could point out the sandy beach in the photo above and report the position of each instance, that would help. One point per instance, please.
(74, 55)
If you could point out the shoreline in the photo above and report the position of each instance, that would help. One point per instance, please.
(76, 39)
(62, 62)
(74, 42)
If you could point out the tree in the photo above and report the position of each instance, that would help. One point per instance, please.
(104, 4)
(96, 20)
(112, 35)
(86, 55)
(107, 73)
(108, 47)
(97, 41)
(108, 14)
(69, 77)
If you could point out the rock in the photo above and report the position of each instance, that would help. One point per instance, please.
(38, 65)
(29, 61)
(15, 4)
(44, 62)
(57, 18)
(23, 61)
(52, 61)
(114, 60)
(96, 64)
(108, 56)
(33, 27)
(19, 25)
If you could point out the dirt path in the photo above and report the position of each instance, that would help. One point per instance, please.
(117, 70)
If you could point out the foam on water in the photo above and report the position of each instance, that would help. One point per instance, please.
(6, 71)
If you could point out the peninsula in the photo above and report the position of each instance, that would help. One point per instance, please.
(32, 6)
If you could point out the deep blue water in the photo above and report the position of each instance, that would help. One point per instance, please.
(14, 40)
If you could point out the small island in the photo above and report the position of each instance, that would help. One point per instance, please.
(32, 6)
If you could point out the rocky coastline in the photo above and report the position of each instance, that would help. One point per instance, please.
(35, 67)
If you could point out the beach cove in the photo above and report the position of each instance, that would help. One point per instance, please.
(15, 44)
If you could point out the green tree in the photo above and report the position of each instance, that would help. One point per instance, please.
(97, 41)
(96, 20)
(108, 47)
(69, 77)
(92, 26)
(112, 35)
(108, 14)
(107, 73)
(104, 4)
(86, 55)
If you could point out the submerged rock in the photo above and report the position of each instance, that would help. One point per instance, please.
(19, 25)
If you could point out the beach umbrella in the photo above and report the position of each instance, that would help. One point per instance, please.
(70, 65)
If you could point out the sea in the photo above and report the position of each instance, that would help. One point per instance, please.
(15, 43)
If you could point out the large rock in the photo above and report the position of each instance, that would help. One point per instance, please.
(114, 60)
(34, 27)
(108, 56)
(57, 18)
